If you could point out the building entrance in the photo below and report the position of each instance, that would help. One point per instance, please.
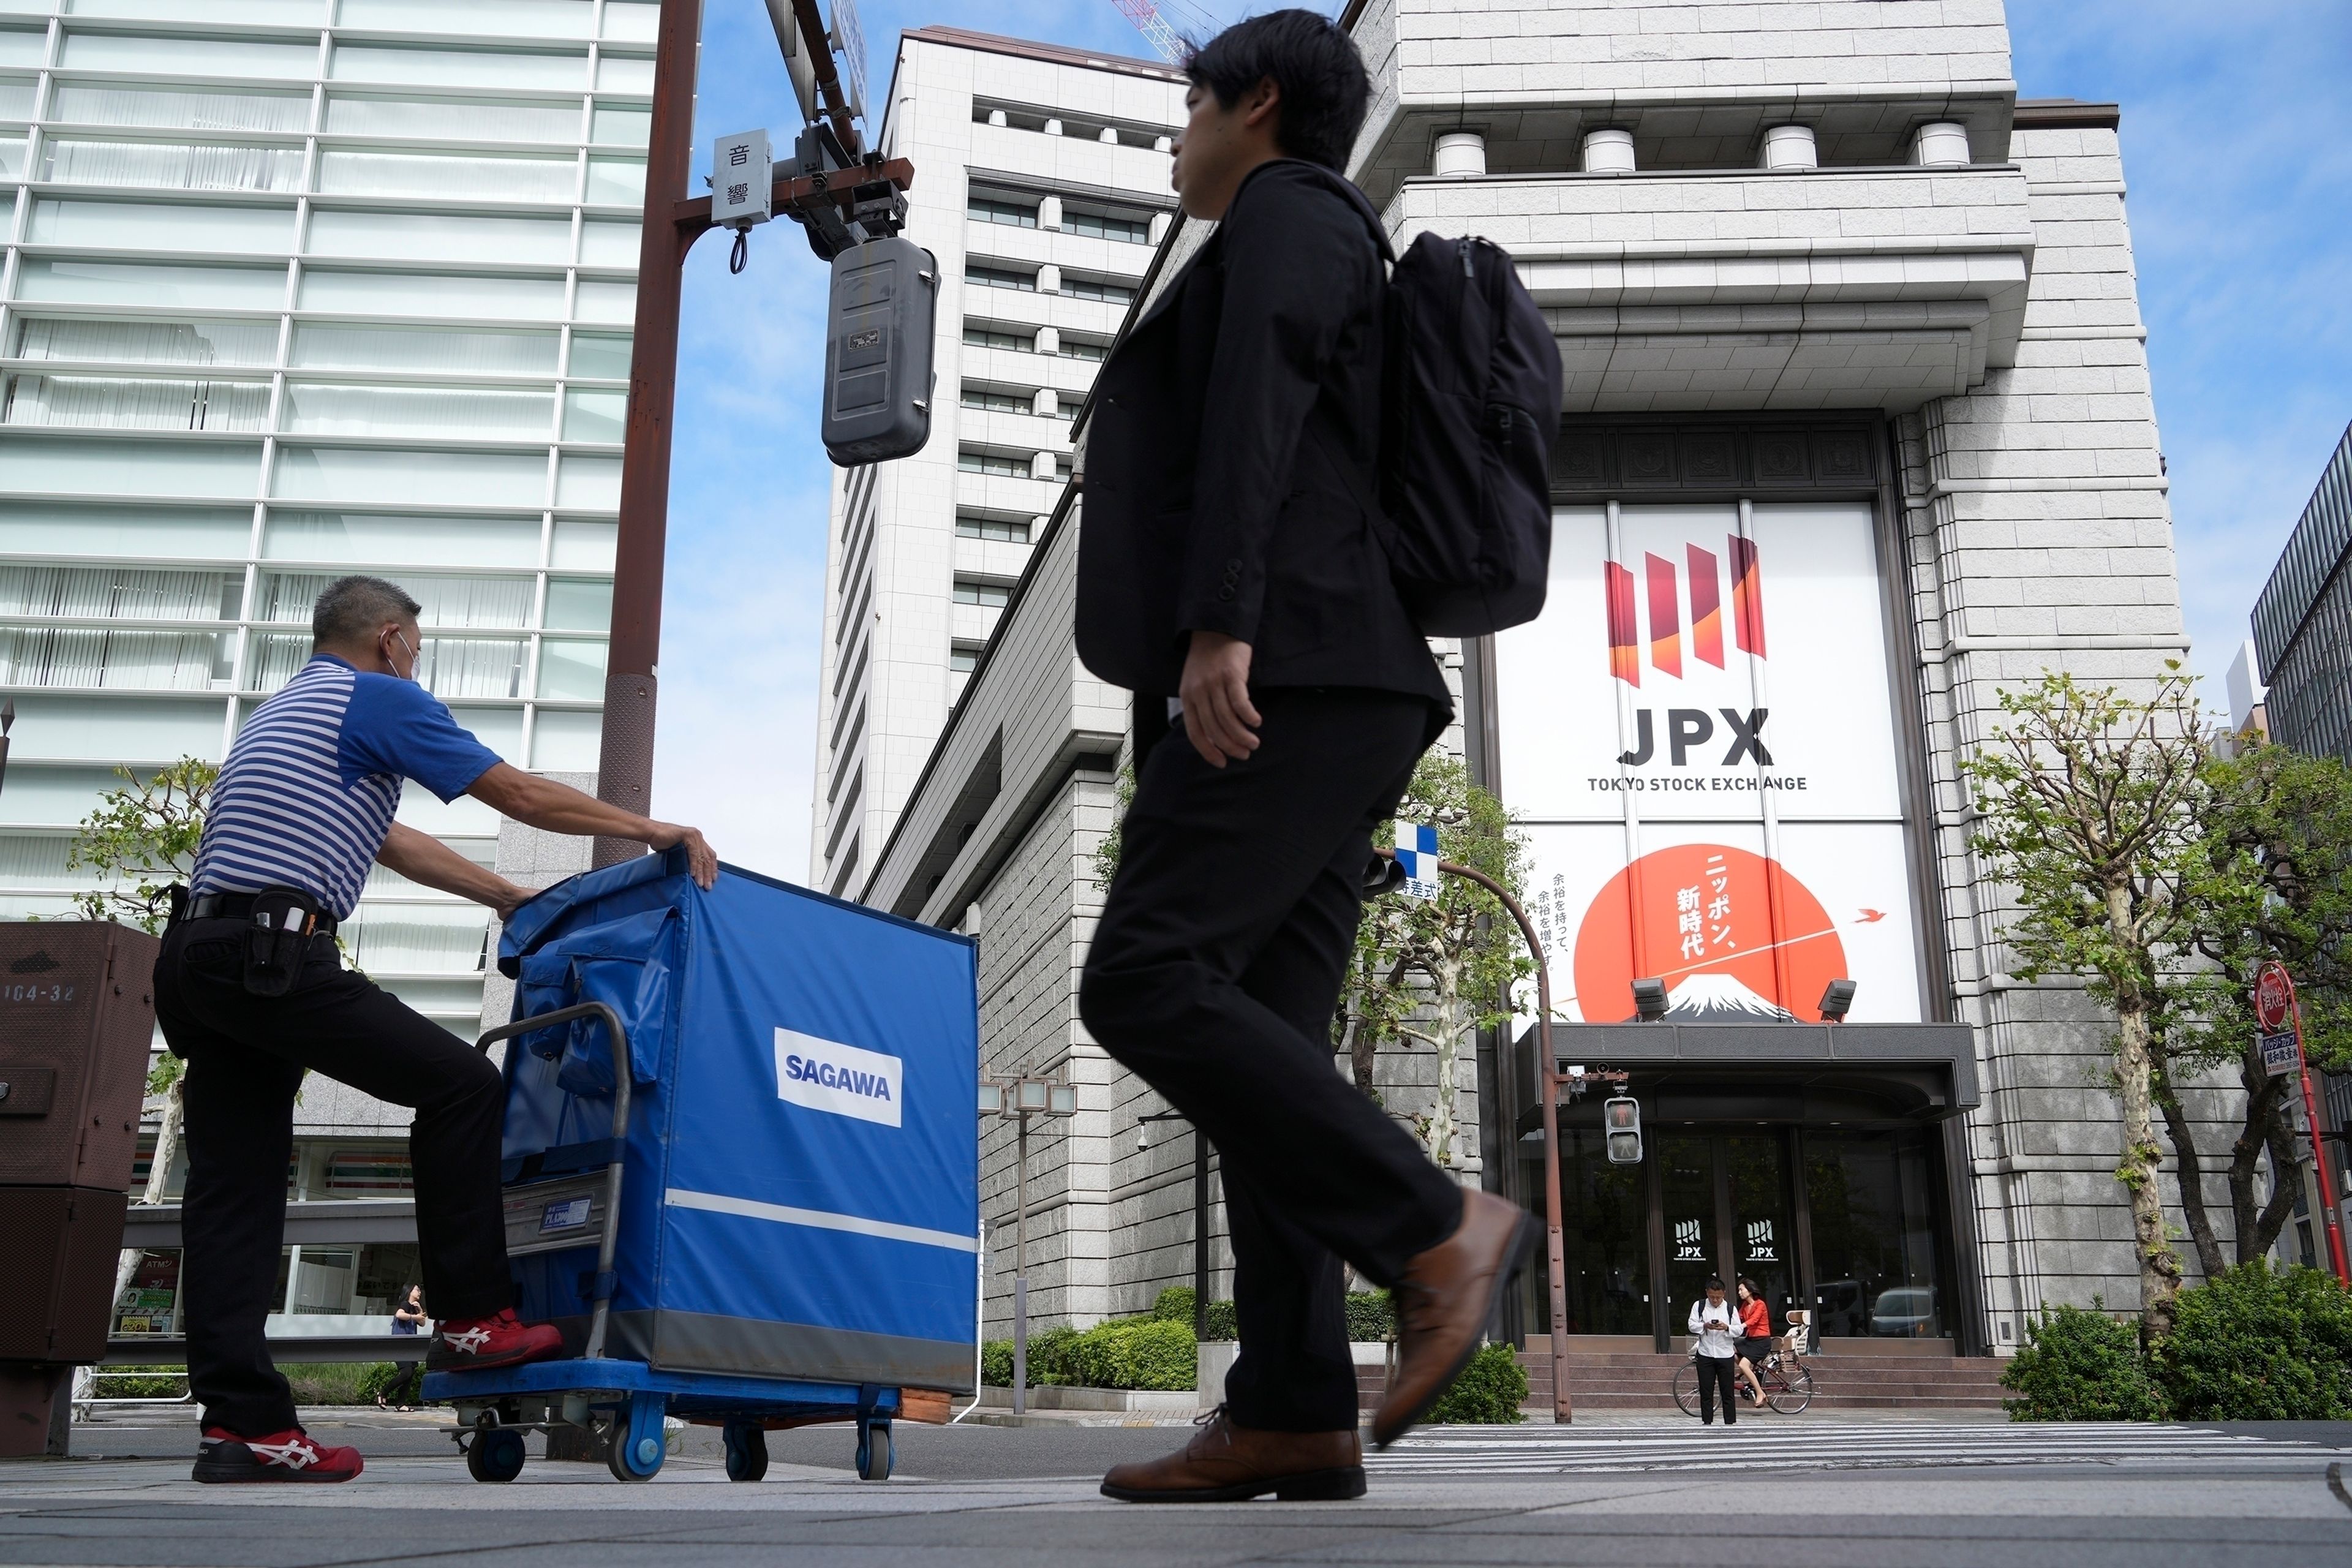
(1840, 1220)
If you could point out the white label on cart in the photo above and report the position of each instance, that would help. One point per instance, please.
(569, 1214)
(826, 1075)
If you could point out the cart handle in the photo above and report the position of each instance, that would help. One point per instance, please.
(612, 1021)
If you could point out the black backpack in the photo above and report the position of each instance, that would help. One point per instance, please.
(1470, 407)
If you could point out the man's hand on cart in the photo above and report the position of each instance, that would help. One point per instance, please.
(701, 858)
(543, 802)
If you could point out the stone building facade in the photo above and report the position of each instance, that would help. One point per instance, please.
(1814, 271)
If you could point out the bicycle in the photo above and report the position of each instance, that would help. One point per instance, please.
(1787, 1383)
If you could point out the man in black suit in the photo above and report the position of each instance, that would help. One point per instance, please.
(1230, 575)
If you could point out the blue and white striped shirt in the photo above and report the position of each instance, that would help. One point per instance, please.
(307, 793)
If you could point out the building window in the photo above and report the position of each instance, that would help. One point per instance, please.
(962, 657)
(1076, 347)
(988, 338)
(1098, 288)
(1000, 278)
(977, 591)
(996, 402)
(979, 460)
(972, 526)
(1003, 210)
(1102, 226)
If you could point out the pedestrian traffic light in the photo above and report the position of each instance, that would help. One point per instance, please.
(1620, 1119)
(878, 351)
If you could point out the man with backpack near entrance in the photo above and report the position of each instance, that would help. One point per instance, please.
(1238, 574)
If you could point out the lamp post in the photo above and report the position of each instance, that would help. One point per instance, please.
(1549, 1079)
(1200, 1218)
(1016, 1101)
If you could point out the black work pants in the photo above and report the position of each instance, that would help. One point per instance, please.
(1214, 975)
(1718, 1372)
(245, 1057)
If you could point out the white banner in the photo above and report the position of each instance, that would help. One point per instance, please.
(1699, 736)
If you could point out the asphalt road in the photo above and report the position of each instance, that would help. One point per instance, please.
(1808, 1493)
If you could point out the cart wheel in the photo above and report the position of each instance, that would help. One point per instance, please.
(638, 1444)
(747, 1453)
(496, 1455)
(873, 1451)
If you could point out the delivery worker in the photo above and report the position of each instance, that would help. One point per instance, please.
(251, 993)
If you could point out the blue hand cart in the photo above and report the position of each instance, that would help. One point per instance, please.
(741, 1169)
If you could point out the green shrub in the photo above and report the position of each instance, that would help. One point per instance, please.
(1174, 1305)
(1135, 1353)
(1488, 1392)
(1127, 1352)
(383, 1380)
(1051, 1355)
(2260, 1345)
(2080, 1366)
(332, 1383)
(142, 1383)
(1371, 1315)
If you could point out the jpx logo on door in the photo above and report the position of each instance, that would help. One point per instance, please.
(842, 1080)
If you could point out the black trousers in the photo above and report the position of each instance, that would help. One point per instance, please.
(1718, 1372)
(245, 1057)
(1214, 975)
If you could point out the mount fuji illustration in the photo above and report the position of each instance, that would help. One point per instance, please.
(1720, 999)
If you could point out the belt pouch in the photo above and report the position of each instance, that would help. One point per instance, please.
(277, 936)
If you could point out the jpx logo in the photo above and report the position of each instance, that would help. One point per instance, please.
(826, 1075)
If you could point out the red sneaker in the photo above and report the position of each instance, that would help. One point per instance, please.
(289, 1455)
(470, 1344)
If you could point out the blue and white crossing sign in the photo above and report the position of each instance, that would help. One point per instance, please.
(1416, 852)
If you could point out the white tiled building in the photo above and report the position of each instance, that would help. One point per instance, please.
(296, 288)
(1041, 186)
(1810, 267)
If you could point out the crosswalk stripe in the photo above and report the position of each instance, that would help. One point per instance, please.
(1553, 1451)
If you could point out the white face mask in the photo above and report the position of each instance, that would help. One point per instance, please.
(408, 648)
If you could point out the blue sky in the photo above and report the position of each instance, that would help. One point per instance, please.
(2237, 138)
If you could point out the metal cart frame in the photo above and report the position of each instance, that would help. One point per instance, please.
(631, 1399)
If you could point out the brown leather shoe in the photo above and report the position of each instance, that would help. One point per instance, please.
(1226, 1463)
(1446, 1302)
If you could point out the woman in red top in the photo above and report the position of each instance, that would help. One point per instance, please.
(1755, 1335)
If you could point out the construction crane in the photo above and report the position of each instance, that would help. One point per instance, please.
(1151, 20)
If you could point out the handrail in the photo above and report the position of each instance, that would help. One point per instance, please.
(603, 1297)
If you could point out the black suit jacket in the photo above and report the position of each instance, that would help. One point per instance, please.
(1230, 460)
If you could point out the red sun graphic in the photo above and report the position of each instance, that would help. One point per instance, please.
(1733, 935)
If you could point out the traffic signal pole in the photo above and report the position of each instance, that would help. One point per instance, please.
(625, 761)
(1547, 1081)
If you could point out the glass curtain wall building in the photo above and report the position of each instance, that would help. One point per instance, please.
(292, 288)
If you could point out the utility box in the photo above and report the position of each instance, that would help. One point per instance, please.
(76, 1022)
(878, 351)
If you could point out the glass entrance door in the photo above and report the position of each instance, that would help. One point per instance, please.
(1874, 1235)
(1763, 1227)
(1605, 1238)
(1693, 1223)
(1729, 1210)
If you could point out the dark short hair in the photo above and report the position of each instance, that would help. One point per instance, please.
(1714, 1281)
(1323, 89)
(353, 606)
